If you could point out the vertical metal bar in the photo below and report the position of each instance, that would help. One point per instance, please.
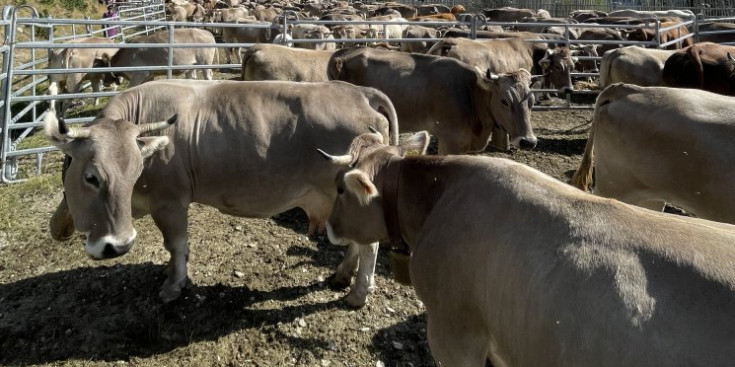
(169, 73)
(473, 28)
(7, 63)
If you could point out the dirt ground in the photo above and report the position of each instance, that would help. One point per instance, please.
(260, 293)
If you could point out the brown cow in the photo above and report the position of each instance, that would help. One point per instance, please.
(159, 56)
(245, 148)
(519, 268)
(633, 65)
(506, 55)
(458, 103)
(275, 62)
(652, 145)
(507, 14)
(705, 65)
(649, 34)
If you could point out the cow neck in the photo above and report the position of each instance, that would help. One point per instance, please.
(476, 102)
(390, 188)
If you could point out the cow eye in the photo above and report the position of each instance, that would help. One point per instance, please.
(505, 103)
(92, 180)
(340, 191)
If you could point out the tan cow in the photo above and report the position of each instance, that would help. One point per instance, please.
(633, 65)
(460, 104)
(251, 31)
(187, 12)
(313, 32)
(245, 148)
(275, 62)
(76, 58)
(506, 55)
(653, 145)
(230, 15)
(128, 57)
(417, 31)
(521, 269)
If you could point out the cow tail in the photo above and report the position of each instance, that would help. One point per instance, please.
(582, 179)
(245, 58)
(381, 103)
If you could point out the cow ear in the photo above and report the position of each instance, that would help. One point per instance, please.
(151, 144)
(416, 144)
(485, 79)
(358, 183)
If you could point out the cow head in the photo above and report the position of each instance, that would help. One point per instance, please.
(588, 66)
(106, 161)
(357, 213)
(558, 65)
(108, 78)
(509, 107)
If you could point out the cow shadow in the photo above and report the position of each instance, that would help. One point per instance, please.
(112, 313)
(325, 255)
(566, 147)
(412, 347)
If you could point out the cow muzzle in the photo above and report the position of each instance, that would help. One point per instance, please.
(109, 247)
(525, 142)
(333, 238)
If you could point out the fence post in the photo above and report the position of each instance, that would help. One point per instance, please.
(7, 63)
(473, 28)
(169, 72)
(88, 27)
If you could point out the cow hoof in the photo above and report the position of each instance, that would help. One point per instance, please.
(355, 299)
(169, 294)
(338, 282)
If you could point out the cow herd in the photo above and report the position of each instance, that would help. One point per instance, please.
(513, 266)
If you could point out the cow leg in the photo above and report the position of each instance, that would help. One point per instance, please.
(228, 55)
(364, 280)
(454, 340)
(173, 225)
(238, 55)
(96, 87)
(208, 74)
(348, 267)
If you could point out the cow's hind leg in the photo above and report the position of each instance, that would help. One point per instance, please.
(173, 224)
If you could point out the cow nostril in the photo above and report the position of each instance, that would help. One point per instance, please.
(109, 251)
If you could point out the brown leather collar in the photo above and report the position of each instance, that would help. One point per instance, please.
(391, 184)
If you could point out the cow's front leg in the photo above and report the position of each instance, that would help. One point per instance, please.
(173, 225)
(347, 268)
(365, 280)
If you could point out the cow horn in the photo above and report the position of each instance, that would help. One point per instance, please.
(155, 126)
(729, 57)
(72, 132)
(341, 160)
